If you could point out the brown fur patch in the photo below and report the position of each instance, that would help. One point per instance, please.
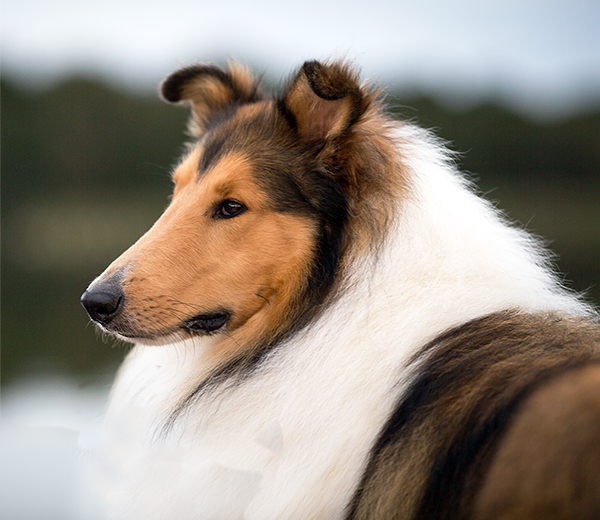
(548, 464)
(435, 451)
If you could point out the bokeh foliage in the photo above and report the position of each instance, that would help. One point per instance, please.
(85, 171)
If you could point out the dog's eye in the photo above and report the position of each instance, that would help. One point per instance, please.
(229, 208)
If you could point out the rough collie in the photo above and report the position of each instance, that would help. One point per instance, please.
(329, 323)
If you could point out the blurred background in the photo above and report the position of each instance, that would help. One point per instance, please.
(87, 148)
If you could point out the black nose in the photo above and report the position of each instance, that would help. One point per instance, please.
(102, 303)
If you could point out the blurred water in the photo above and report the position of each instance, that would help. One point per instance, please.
(48, 428)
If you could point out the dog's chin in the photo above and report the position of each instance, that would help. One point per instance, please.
(153, 341)
(160, 340)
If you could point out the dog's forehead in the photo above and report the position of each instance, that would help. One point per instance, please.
(256, 130)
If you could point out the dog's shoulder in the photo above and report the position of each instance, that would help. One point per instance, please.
(511, 400)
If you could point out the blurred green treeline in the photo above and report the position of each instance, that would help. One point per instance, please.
(85, 171)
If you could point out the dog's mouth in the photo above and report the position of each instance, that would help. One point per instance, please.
(208, 323)
(200, 325)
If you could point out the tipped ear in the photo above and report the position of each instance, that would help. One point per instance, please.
(210, 90)
(323, 101)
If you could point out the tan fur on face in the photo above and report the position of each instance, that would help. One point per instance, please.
(190, 263)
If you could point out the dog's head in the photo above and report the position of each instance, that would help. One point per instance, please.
(251, 242)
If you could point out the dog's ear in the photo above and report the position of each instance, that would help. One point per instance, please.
(210, 90)
(323, 102)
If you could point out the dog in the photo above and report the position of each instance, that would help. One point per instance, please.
(329, 323)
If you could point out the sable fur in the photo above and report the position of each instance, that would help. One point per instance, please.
(547, 464)
(365, 338)
(438, 445)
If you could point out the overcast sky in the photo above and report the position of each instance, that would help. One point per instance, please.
(539, 54)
